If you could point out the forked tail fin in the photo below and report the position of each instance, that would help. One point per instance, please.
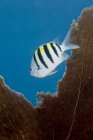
(66, 44)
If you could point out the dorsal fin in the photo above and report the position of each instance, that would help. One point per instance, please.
(58, 40)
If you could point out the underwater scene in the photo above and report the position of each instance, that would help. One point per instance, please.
(46, 70)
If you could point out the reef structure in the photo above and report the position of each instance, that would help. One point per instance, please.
(69, 114)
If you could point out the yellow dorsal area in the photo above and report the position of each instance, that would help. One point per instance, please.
(42, 48)
(48, 45)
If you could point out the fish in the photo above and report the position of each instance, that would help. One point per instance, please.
(47, 57)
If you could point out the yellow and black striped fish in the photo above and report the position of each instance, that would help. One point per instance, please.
(48, 56)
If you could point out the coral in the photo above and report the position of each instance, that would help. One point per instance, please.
(69, 114)
(17, 116)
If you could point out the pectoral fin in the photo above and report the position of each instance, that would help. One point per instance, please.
(53, 72)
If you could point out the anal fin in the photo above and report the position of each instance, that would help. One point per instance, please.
(53, 72)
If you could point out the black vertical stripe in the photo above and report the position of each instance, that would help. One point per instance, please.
(41, 58)
(48, 53)
(54, 49)
(36, 61)
(58, 47)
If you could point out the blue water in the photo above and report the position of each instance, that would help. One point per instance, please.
(25, 24)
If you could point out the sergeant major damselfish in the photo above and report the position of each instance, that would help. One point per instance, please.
(48, 56)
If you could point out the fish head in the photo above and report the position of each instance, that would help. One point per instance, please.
(33, 68)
